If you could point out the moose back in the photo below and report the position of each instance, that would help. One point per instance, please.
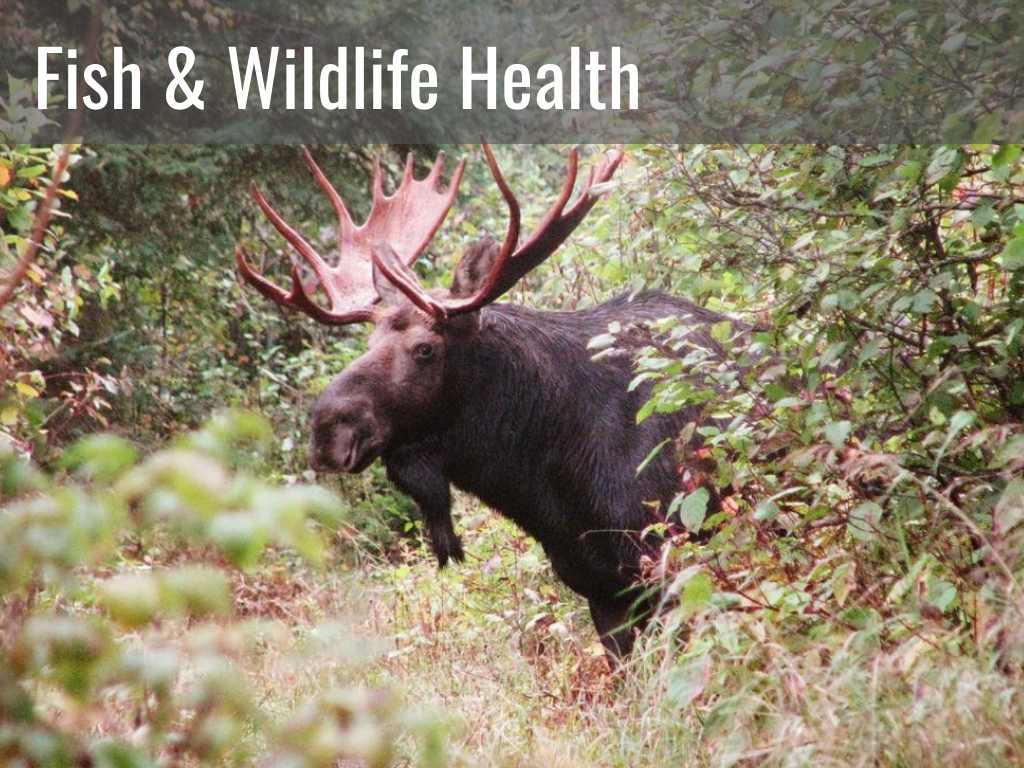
(499, 400)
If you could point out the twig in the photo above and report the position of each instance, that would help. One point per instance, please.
(44, 213)
(43, 217)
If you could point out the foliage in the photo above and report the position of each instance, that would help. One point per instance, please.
(86, 610)
(865, 426)
(180, 290)
(851, 72)
(40, 400)
(855, 600)
(512, 661)
(149, 30)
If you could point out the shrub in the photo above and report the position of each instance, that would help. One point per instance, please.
(89, 671)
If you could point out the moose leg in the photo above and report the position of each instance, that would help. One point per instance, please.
(618, 609)
(616, 626)
(422, 479)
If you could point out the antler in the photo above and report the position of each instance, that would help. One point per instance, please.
(406, 221)
(510, 265)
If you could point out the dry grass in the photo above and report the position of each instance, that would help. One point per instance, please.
(513, 666)
(509, 663)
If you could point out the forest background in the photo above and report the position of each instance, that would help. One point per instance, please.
(179, 589)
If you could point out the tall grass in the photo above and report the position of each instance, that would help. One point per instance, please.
(510, 663)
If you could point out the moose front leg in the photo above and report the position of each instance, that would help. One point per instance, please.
(422, 479)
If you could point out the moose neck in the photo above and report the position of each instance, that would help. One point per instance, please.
(521, 362)
(524, 390)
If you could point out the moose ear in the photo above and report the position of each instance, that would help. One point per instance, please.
(473, 268)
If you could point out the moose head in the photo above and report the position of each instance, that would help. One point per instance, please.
(398, 388)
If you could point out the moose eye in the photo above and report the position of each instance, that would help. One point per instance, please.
(423, 353)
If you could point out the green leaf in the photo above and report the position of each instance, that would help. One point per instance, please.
(720, 332)
(836, 433)
(954, 42)
(1009, 509)
(646, 410)
(944, 160)
(601, 341)
(869, 351)
(696, 594)
(843, 581)
(691, 509)
(652, 455)
(941, 593)
(102, 457)
(960, 420)
(862, 618)
(687, 681)
(110, 753)
(988, 129)
(241, 535)
(31, 171)
(1012, 256)
(26, 389)
(198, 590)
(766, 509)
(873, 161)
(1007, 154)
(313, 502)
(923, 301)
(863, 521)
(1010, 451)
(132, 599)
(67, 649)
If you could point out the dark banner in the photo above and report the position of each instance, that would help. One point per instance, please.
(169, 71)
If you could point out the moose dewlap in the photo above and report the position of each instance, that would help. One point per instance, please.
(499, 400)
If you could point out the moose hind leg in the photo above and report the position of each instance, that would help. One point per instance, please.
(617, 625)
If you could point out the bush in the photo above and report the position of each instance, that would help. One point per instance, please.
(85, 610)
(865, 429)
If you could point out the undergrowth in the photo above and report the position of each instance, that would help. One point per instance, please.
(197, 645)
(511, 664)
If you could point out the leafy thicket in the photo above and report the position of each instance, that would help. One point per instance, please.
(849, 72)
(47, 309)
(148, 31)
(89, 612)
(124, 587)
(866, 429)
(862, 441)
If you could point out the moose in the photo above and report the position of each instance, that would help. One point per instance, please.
(504, 402)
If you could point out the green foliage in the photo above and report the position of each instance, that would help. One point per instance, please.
(148, 30)
(142, 328)
(865, 424)
(85, 618)
(39, 399)
(863, 71)
(20, 120)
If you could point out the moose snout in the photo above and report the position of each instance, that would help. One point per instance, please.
(343, 441)
(318, 461)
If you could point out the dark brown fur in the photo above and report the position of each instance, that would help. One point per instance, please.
(508, 404)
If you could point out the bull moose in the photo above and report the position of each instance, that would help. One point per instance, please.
(499, 400)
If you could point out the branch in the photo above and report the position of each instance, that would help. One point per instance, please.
(44, 213)
(43, 217)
